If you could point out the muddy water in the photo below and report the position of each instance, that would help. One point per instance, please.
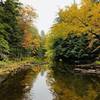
(40, 83)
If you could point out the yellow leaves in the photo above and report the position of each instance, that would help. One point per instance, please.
(27, 39)
(73, 10)
(75, 19)
(68, 14)
(78, 19)
(87, 3)
(90, 15)
(36, 68)
(36, 42)
(30, 41)
(91, 94)
(95, 20)
(31, 37)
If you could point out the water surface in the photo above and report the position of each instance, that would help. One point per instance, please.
(40, 83)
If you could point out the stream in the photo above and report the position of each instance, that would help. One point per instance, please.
(40, 83)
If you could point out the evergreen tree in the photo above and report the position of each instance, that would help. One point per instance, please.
(11, 11)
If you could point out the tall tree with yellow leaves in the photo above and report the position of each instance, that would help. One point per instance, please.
(79, 19)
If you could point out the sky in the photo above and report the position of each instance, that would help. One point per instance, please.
(47, 11)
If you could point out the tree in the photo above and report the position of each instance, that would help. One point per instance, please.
(4, 48)
(4, 45)
(17, 29)
(31, 36)
(78, 20)
(14, 36)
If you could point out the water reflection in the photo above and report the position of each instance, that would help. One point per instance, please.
(17, 87)
(40, 83)
(30, 85)
(73, 87)
(40, 89)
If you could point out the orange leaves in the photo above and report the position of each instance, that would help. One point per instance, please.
(27, 39)
(28, 15)
(31, 41)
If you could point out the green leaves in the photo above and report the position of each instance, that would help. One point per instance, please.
(4, 48)
(72, 48)
(4, 45)
(11, 31)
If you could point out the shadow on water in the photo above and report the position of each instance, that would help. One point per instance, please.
(40, 83)
(67, 86)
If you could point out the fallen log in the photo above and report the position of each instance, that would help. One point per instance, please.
(88, 66)
(89, 71)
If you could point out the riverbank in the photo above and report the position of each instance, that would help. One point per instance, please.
(11, 68)
(88, 69)
(81, 69)
(7, 67)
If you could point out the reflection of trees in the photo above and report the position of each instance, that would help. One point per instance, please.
(12, 89)
(40, 68)
(29, 79)
(28, 83)
(43, 69)
(15, 87)
(73, 87)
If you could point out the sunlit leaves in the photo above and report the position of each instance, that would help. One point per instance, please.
(78, 19)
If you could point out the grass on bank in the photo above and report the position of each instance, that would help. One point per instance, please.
(9, 65)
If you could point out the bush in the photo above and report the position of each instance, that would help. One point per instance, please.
(73, 50)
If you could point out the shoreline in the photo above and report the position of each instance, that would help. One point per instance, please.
(88, 69)
(5, 73)
(18, 67)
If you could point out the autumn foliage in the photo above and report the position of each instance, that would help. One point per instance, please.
(31, 37)
(17, 29)
(75, 35)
